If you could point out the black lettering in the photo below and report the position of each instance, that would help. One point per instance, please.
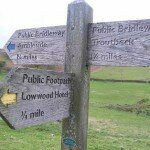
(120, 28)
(22, 96)
(38, 113)
(19, 56)
(19, 35)
(25, 76)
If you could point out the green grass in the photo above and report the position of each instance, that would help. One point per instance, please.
(123, 73)
(118, 130)
(43, 137)
(2, 75)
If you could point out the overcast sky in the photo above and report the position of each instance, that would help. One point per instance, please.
(22, 14)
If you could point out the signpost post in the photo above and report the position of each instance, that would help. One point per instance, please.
(75, 126)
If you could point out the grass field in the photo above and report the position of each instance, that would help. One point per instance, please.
(115, 130)
(2, 75)
(110, 128)
(122, 73)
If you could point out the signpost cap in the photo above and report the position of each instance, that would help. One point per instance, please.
(78, 1)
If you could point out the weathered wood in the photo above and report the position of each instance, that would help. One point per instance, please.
(42, 96)
(2, 88)
(125, 43)
(74, 132)
(37, 46)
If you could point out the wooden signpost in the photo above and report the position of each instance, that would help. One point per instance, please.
(31, 97)
(75, 126)
(41, 96)
(122, 43)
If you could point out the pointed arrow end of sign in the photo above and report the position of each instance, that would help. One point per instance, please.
(8, 98)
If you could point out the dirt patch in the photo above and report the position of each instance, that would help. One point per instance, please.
(95, 69)
(142, 107)
(101, 124)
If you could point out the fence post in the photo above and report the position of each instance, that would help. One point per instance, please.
(74, 130)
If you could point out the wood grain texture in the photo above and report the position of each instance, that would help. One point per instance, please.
(125, 43)
(42, 96)
(74, 134)
(2, 89)
(38, 46)
(122, 43)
